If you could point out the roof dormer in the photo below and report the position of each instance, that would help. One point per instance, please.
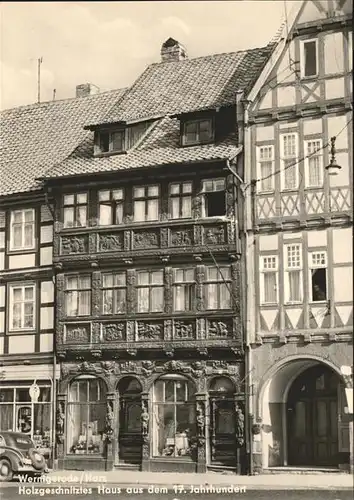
(117, 139)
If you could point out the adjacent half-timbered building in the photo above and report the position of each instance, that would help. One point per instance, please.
(149, 330)
(300, 310)
(33, 137)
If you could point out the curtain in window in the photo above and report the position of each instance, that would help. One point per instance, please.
(270, 287)
(294, 286)
(139, 210)
(290, 174)
(105, 215)
(175, 208)
(152, 209)
(266, 171)
(179, 297)
(84, 306)
(6, 417)
(225, 299)
(81, 216)
(186, 206)
(143, 299)
(314, 171)
(157, 299)
(212, 296)
(119, 213)
(69, 217)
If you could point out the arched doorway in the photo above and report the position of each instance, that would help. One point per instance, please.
(303, 413)
(222, 422)
(312, 418)
(129, 421)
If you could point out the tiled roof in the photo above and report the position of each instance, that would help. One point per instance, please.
(159, 147)
(33, 138)
(170, 88)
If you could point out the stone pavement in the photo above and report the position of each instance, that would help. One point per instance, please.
(261, 481)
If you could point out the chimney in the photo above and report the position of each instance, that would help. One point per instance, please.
(86, 89)
(172, 50)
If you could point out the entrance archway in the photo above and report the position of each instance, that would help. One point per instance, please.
(302, 408)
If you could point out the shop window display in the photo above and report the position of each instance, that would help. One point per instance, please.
(174, 417)
(86, 416)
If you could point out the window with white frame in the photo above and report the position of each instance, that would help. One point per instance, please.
(218, 288)
(180, 198)
(78, 295)
(114, 293)
(350, 49)
(293, 273)
(110, 207)
(269, 279)
(309, 58)
(146, 203)
(214, 199)
(183, 289)
(150, 291)
(318, 276)
(22, 229)
(265, 158)
(314, 163)
(289, 159)
(22, 307)
(75, 210)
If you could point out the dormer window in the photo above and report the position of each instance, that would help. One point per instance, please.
(111, 142)
(198, 132)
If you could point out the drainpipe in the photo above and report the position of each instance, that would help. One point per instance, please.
(245, 316)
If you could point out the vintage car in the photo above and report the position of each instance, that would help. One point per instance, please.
(18, 455)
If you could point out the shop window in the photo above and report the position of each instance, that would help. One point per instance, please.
(174, 426)
(19, 414)
(86, 416)
(213, 201)
(110, 207)
(218, 288)
(75, 210)
(318, 276)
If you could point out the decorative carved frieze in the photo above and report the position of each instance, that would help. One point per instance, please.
(230, 204)
(240, 424)
(183, 329)
(113, 332)
(168, 291)
(214, 235)
(74, 244)
(96, 293)
(197, 203)
(219, 328)
(144, 418)
(77, 334)
(60, 423)
(131, 291)
(111, 242)
(181, 237)
(130, 331)
(164, 237)
(198, 234)
(199, 296)
(168, 329)
(149, 330)
(146, 239)
(109, 421)
(201, 329)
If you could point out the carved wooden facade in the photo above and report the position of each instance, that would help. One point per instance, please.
(307, 214)
(198, 344)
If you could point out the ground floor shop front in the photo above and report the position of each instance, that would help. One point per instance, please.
(27, 401)
(303, 407)
(183, 416)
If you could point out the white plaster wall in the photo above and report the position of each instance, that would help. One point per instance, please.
(47, 291)
(342, 177)
(21, 344)
(22, 261)
(1, 345)
(343, 284)
(312, 126)
(292, 236)
(264, 133)
(38, 372)
(2, 261)
(333, 48)
(47, 318)
(266, 100)
(46, 234)
(342, 245)
(2, 239)
(2, 322)
(46, 342)
(46, 256)
(286, 96)
(317, 238)
(335, 125)
(334, 88)
(2, 296)
(268, 242)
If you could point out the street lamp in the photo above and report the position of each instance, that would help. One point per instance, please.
(333, 166)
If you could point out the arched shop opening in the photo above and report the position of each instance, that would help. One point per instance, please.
(129, 421)
(304, 420)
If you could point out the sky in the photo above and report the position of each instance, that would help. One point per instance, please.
(110, 44)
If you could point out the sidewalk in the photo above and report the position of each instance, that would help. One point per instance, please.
(168, 479)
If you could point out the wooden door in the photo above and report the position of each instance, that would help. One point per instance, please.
(312, 413)
(222, 432)
(130, 439)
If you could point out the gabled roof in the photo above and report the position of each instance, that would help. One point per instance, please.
(33, 138)
(172, 88)
(159, 147)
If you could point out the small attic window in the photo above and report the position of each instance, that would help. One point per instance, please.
(110, 142)
(198, 132)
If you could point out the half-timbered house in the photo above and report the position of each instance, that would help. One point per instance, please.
(300, 311)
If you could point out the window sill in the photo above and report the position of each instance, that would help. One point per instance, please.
(314, 188)
(318, 302)
(21, 251)
(271, 191)
(22, 332)
(270, 304)
(202, 143)
(299, 303)
(313, 78)
(290, 190)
